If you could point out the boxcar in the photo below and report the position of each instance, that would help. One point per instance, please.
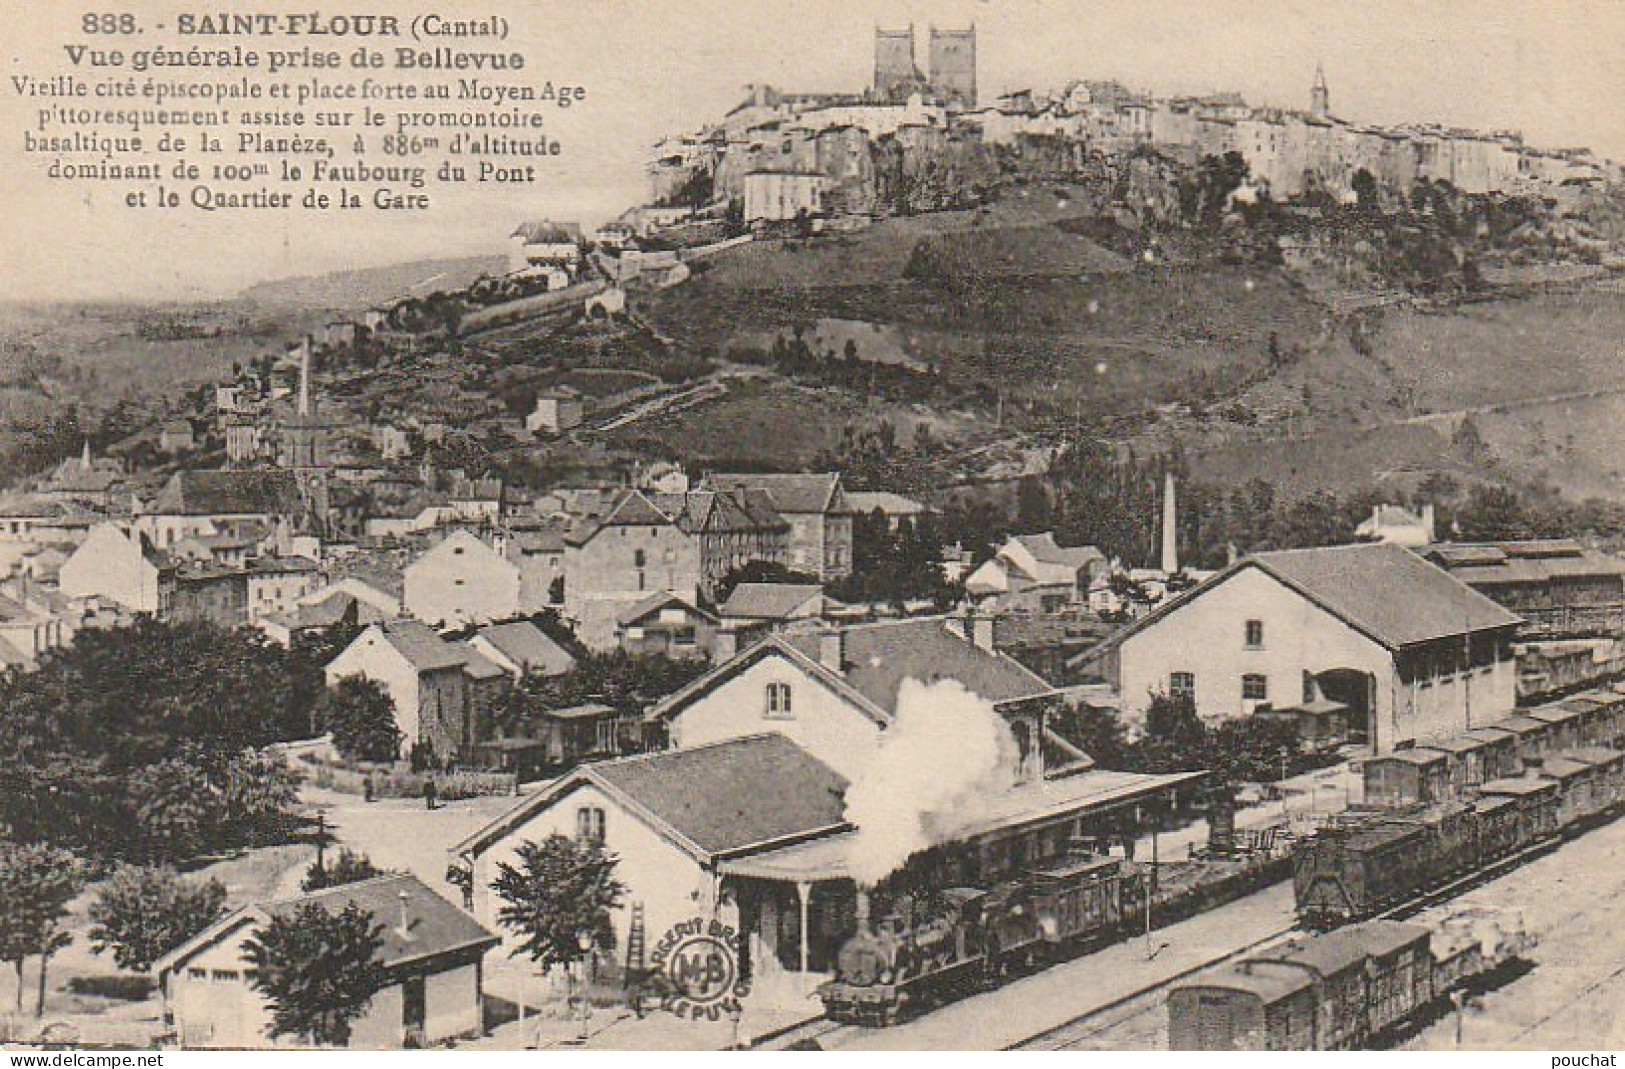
(1399, 972)
(1499, 825)
(1246, 1006)
(1337, 961)
(1447, 844)
(1077, 899)
(1537, 805)
(1345, 874)
(1419, 776)
(1499, 757)
(1610, 764)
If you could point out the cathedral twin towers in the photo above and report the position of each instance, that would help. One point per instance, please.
(952, 78)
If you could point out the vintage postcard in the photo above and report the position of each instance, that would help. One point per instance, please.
(901, 525)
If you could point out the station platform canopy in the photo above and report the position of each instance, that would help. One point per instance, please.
(1065, 798)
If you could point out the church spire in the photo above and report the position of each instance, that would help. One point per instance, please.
(1320, 97)
(84, 460)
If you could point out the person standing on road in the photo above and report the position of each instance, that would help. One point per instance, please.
(428, 793)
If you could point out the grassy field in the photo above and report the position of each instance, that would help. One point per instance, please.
(1112, 342)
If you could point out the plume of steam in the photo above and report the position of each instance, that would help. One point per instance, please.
(945, 751)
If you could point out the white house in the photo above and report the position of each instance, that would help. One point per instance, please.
(1410, 650)
(1032, 572)
(462, 581)
(433, 684)
(541, 245)
(773, 604)
(781, 196)
(432, 954)
(277, 584)
(112, 564)
(673, 818)
(206, 501)
(556, 412)
(1397, 524)
(833, 692)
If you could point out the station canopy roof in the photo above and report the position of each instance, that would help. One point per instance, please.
(1067, 797)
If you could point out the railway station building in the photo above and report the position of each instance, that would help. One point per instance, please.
(1408, 649)
(752, 832)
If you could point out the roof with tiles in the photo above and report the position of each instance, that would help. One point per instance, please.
(713, 800)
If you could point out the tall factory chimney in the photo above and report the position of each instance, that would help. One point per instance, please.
(304, 377)
(1170, 527)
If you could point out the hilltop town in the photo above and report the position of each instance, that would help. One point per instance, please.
(916, 497)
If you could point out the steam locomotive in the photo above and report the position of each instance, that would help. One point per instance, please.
(968, 937)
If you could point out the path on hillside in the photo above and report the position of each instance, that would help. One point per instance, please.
(1452, 414)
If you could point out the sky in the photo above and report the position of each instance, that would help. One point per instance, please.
(1551, 68)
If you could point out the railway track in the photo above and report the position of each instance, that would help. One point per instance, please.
(1149, 999)
(1135, 1003)
(1113, 1014)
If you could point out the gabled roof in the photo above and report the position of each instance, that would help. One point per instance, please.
(876, 658)
(1045, 551)
(815, 493)
(528, 646)
(888, 503)
(1384, 591)
(434, 927)
(476, 664)
(1390, 516)
(548, 232)
(633, 509)
(228, 493)
(652, 604)
(769, 601)
(716, 800)
(421, 645)
(714, 512)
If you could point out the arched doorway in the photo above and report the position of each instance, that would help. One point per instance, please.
(1355, 690)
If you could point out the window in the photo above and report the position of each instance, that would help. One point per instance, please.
(590, 825)
(225, 974)
(1254, 688)
(1255, 634)
(197, 974)
(1182, 684)
(639, 558)
(778, 701)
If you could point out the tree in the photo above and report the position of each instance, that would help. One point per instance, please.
(137, 726)
(1254, 750)
(347, 867)
(37, 882)
(1365, 191)
(318, 970)
(1175, 738)
(258, 795)
(560, 889)
(177, 810)
(143, 913)
(1098, 732)
(361, 717)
